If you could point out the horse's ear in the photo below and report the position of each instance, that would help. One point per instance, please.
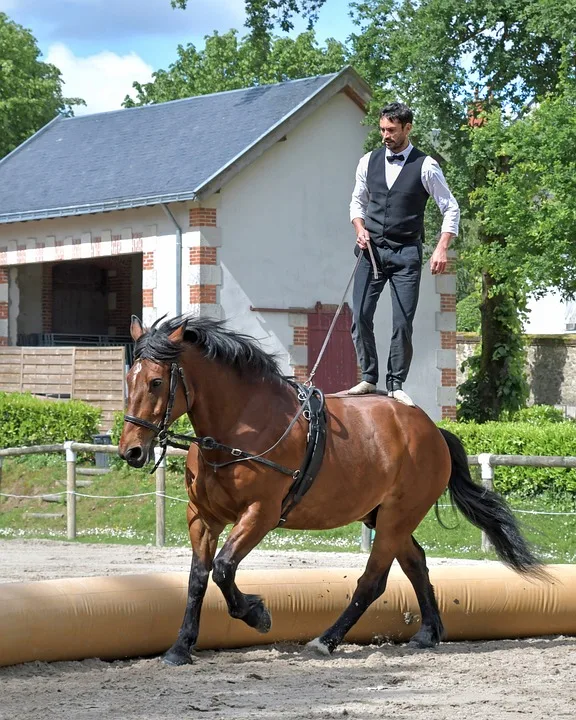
(176, 336)
(136, 329)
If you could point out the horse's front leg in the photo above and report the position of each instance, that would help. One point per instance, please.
(204, 541)
(252, 526)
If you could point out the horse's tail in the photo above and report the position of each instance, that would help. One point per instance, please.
(489, 512)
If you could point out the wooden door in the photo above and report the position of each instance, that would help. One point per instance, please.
(338, 368)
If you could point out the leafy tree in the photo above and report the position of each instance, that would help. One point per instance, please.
(474, 71)
(30, 90)
(262, 15)
(228, 63)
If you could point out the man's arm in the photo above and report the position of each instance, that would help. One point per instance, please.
(435, 184)
(359, 203)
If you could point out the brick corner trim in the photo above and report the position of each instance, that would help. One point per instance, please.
(202, 217)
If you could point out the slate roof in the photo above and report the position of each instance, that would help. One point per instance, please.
(156, 153)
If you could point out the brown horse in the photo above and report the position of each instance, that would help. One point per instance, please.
(384, 463)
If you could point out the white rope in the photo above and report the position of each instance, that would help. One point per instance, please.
(97, 497)
(177, 499)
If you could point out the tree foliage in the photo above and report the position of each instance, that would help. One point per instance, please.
(481, 76)
(30, 90)
(228, 63)
(263, 15)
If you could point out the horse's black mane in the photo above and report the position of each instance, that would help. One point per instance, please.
(217, 342)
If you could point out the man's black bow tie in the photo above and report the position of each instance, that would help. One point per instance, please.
(391, 158)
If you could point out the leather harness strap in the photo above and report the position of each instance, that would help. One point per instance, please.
(311, 407)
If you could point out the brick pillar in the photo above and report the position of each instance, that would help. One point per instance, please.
(119, 295)
(204, 271)
(3, 306)
(299, 348)
(148, 288)
(446, 327)
(47, 298)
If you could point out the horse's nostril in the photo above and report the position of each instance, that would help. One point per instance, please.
(134, 455)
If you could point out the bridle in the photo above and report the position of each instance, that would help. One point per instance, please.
(311, 401)
(161, 431)
(166, 437)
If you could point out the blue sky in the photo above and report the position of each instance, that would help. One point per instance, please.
(102, 46)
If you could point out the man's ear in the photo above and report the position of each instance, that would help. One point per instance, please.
(136, 329)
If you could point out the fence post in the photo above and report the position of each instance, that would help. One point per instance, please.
(70, 490)
(487, 474)
(366, 539)
(160, 498)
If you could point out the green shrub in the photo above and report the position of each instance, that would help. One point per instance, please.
(468, 313)
(522, 438)
(28, 420)
(536, 414)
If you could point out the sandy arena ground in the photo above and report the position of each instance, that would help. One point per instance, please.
(533, 678)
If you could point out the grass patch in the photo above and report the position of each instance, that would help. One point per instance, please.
(131, 520)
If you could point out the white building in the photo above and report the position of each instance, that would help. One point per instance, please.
(233, 205)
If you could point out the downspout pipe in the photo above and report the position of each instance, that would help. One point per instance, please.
(178, 258)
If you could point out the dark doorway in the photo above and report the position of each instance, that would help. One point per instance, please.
(80, 299)
(338, 369)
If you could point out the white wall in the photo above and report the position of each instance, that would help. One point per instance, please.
(287, 240)
(549, 315)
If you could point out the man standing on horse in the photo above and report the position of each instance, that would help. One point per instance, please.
(392, 187)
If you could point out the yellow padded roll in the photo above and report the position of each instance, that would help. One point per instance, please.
(133, 615)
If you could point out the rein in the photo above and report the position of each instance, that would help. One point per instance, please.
(167, 437)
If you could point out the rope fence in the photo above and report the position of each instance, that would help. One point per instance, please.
(486, 461)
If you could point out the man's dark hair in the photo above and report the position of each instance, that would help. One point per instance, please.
(397, 112)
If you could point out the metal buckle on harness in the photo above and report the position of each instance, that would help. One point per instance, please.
(307, 414)
(236, 452)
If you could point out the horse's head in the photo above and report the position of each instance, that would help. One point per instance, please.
(157, 395)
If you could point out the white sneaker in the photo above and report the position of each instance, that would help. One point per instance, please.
(402, 397)
(363, 388)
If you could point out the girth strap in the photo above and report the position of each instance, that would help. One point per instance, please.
(313, 457)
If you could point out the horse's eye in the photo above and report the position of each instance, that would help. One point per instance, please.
(156, 382)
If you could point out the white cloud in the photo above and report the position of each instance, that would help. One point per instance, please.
(102, 80)
(68, 20)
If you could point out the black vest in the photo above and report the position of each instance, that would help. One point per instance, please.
(395, 216)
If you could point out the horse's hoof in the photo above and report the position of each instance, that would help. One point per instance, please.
(264, 622)
(422, 643)
(175, 658)
(319, 647)
(258, 616)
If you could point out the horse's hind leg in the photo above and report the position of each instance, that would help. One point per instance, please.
(371, 585)
(412, 560)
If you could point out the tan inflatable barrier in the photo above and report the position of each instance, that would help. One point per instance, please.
(129, 616)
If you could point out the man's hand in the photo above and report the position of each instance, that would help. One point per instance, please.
(439, 258)
(438, 261)
(362, 236)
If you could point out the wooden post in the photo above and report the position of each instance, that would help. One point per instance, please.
(160, 498)
(70, 491)
(366, 539)
(487, 474)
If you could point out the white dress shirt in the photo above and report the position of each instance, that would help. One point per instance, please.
(432, 178)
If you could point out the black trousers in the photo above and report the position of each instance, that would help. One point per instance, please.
(402, 269)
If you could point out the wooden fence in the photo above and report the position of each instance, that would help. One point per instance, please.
(92, 374)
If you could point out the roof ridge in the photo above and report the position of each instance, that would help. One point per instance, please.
(197, 97)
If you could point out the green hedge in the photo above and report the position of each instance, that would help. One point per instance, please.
(522, 438)
(28, 420)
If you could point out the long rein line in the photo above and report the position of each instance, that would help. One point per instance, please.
(339, 310)
(167, 437)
